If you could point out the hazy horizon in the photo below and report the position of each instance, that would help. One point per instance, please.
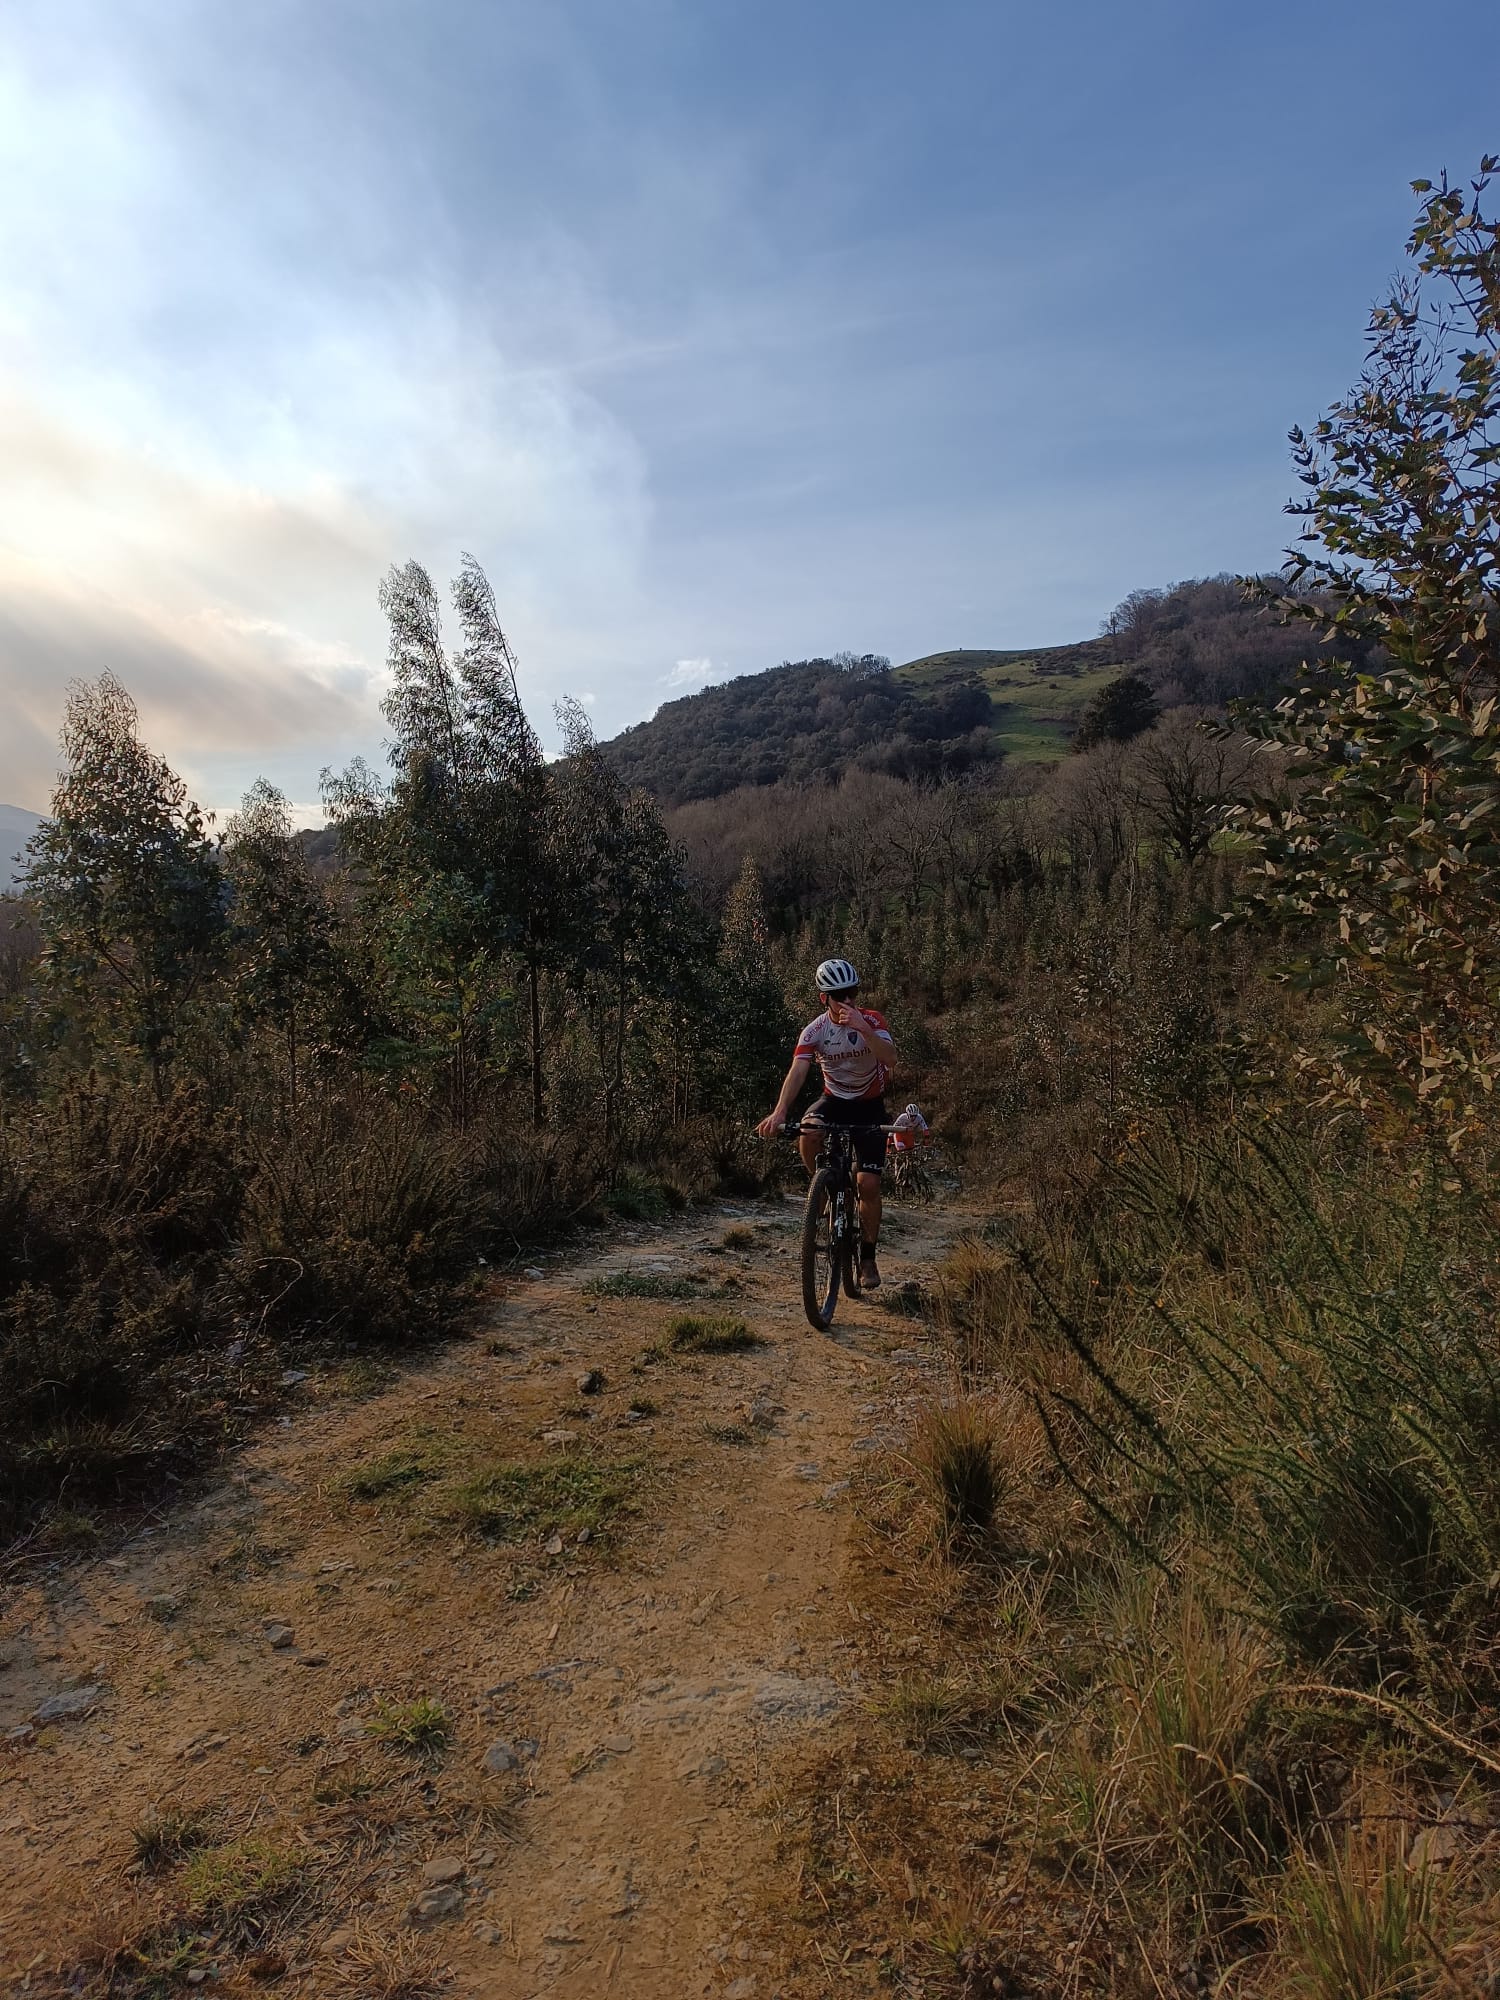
(719, 336)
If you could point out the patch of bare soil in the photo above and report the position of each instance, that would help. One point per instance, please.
(490, 1683)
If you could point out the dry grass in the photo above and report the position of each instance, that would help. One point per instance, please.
(1355, 1921)
(166, 1833)
(984, 1307)
(708, 1333)
(956, 1454)
(372, 1967)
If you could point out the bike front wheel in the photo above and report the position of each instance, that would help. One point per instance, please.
(821, 1252)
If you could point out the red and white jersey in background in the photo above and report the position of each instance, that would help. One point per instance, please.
(910, 1128)
(849, 1069)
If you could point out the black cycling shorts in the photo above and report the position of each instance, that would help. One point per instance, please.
(864, 1115)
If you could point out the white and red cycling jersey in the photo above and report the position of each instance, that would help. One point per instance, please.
(849, 1069)
(910, 1130)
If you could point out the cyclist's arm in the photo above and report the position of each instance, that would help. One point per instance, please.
(791, 1083)
(879, 1041)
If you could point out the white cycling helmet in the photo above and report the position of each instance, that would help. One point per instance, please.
(913, 1111)
(836, 975)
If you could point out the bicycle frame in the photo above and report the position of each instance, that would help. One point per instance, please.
(830, 1223)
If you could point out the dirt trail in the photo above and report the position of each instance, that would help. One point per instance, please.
(655, 1686)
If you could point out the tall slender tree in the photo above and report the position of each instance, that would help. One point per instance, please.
(125, 878)
(281, 923)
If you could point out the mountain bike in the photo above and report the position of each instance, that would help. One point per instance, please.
(908, 1176)
(830, 1223)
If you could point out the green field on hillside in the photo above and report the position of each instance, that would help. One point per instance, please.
(1037, 694)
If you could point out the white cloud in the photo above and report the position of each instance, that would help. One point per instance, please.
(693, 673)
(215, 448)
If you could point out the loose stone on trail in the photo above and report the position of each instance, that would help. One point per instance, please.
(69, 1705)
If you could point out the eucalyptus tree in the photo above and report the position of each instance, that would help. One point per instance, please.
(466, 833)
(283, 953)
(635, 927)
(125, 880)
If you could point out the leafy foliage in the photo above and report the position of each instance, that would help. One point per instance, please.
(1386, 845)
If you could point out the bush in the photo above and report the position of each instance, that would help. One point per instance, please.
(358, 1223)
(1308, 1383)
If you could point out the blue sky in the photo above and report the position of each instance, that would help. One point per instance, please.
(722, 333)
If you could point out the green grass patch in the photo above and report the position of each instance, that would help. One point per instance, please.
(641, 1285)
(422, 1726)
(549, 1496)
(1038, 695)
(240, 1879)
(398, 1472)
(710, 1333)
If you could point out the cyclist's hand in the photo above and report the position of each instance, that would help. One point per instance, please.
(769, 1127)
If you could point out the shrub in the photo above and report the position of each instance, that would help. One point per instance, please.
(358, 1222)
(1330, 1426)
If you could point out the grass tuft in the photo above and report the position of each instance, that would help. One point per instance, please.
(371, 1967)
(712, 1333)
(1355, 1924)
(422, 1726)
(239, 1880)
(956, 1455)
(165, 1834)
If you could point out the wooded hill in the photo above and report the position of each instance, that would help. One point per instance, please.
(1198, 642)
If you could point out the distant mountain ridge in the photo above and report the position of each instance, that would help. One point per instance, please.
(1200, 642)
(17, 825)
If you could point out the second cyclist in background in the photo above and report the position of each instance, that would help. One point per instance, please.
(909, 1135)
(907, 1148)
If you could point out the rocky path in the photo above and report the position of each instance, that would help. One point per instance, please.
(487, 1682)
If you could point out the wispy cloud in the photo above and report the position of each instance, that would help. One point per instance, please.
(216, 438)
(693, 673)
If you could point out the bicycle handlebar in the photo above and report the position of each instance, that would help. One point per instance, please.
(793, 1130)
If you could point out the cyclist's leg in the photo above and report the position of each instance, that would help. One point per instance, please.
(869, 1151)
(809, 1143)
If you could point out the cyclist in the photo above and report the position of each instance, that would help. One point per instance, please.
(852, 1046)
(909, 1134)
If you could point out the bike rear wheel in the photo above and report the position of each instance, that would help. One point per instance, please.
(821, 1251)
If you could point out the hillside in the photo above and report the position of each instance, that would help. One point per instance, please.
(1197, 642)
(1035, 698)
(806, 720)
